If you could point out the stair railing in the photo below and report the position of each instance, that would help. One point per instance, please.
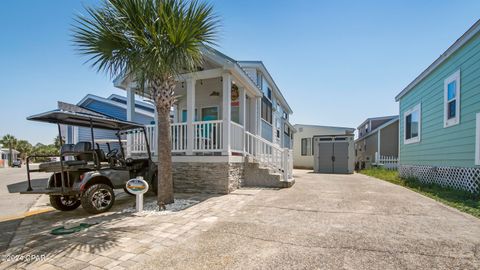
(269, 154)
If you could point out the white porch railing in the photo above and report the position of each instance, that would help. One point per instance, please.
(236, 137)
(138, 144)
(208, 137)
(179, 136)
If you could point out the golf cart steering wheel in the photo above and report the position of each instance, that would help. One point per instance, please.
(112, 153)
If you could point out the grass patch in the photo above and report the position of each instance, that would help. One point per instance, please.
(462, 200)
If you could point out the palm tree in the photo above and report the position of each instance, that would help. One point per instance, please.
(151, 41)
(25, 148)
(11, 142)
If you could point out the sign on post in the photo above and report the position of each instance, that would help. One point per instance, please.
(138, 187)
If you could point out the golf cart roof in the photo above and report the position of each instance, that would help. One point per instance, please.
(83, 120)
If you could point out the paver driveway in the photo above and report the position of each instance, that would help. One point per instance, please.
(333, 222)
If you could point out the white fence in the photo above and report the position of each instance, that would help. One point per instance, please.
(387, 162)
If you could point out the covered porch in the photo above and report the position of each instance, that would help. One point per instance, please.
(217, 113)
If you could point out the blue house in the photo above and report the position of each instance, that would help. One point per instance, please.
(440, 118)
(113, 106)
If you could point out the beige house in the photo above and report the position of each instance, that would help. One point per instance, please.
(377, 136)
(303, 154)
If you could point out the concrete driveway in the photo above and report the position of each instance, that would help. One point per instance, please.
(333, 222)
(13, 205)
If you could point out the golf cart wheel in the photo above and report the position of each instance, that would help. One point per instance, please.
(98, 198)
(64, 203)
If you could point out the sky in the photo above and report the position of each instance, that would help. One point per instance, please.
(336, 62)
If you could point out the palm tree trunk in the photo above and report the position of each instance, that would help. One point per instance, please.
(162, 93)
(164, 150)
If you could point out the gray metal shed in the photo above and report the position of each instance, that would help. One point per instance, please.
(334, 154)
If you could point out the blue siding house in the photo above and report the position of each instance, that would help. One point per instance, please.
(113, 106)
(440, 118)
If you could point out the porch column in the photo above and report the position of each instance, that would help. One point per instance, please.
(190, 114)
(258, 106)
(130, 116)
(227, 111)
(241, 111)
(252, 107)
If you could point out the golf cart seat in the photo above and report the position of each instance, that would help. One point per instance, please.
(78, 151)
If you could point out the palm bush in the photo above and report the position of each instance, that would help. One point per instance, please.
(150, 41)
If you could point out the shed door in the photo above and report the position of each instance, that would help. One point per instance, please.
(340, 164)
(325, 153)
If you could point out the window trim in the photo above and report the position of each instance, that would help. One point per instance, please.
(456, 120)
(405, 114)
(267, 106)
(306, 152)
(477, 140)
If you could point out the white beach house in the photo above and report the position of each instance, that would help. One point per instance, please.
(230, 127)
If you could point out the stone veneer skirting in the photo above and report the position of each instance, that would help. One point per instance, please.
(207, 177)
(456, 177)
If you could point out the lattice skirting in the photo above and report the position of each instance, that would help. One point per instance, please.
(456, 177)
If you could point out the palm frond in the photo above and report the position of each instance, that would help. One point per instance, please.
(146, 38)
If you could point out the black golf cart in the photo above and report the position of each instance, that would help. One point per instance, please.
(87, 173)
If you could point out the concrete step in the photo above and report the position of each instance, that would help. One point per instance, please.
(259, 176)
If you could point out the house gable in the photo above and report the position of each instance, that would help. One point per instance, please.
(114, 107)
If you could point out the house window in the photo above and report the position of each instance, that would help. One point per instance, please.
(184, 116)
(306, 146)
(477, 141)
(285, 115)
(412, 124)
(209, 113)
(269, 93)
(451, 112)
(266, 110)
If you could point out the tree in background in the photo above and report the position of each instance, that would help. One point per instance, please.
(151, 41)
(43, 149)
(58, 143)
(25, 149)
(9, 141)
